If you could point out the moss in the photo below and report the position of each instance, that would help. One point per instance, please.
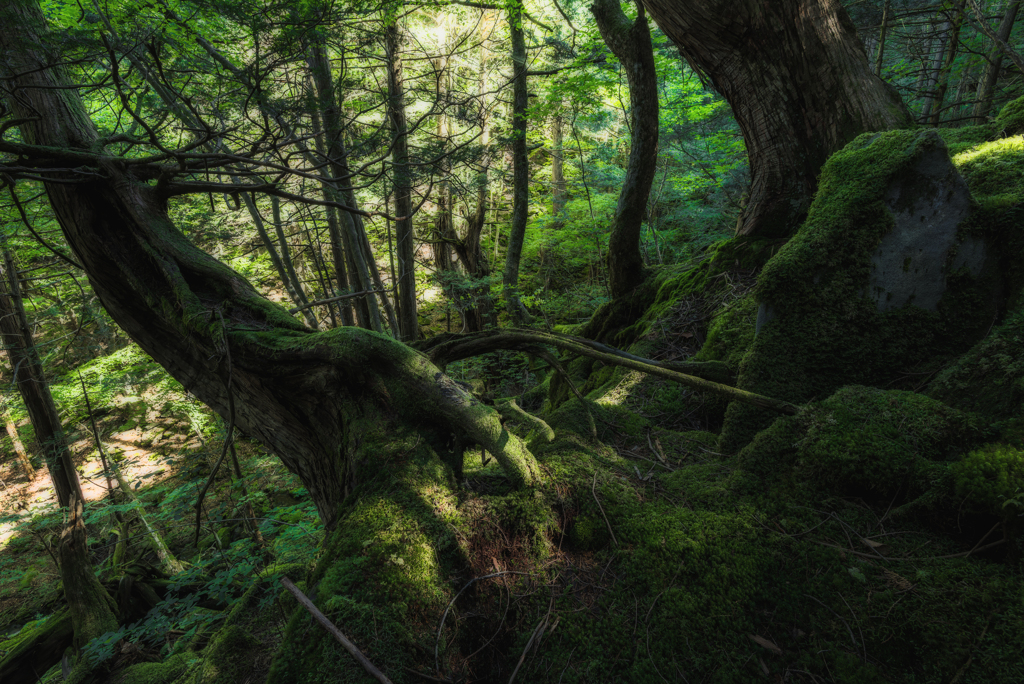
(383, 576)
(991, 480)
(865, 441)
(731, 333)
(1011, 118)
(157, 673)
(989, 378)
(230, 657)
(823, 332)
(994, 170)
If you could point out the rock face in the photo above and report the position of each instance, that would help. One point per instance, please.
(885, 273)
(928, 204)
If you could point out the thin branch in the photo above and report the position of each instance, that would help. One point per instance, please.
(370, 668)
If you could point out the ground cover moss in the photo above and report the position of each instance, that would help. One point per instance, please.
(711, 561)
(384, 573)
(867, 442)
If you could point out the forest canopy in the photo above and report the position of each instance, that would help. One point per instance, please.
(656, 341)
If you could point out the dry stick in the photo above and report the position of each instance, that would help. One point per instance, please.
(440, 627)
(122, 542)
(514, 338)
(593, 490)
(538, 631)
(335, 632)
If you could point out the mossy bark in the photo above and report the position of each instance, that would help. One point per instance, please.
(294, 390)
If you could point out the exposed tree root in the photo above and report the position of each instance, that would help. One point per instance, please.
(445, 349)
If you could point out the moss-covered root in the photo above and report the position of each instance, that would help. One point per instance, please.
(512, 411)
(35, 648)
(385, 573)
(92, 608)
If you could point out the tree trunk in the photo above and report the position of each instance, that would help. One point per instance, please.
(347, 239)
(481, 312)
(19, 448)
(952, 46)
(631, 43)
(935, 68)
(293, 389)
(987, 87)
(444, 229)
(886, 11)
(557, 169)
(35, 391)
(408, 322)
(799, 84)
(520, 168)
(91, 607)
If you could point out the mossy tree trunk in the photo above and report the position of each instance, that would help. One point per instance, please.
(294, 389)
(92, 608)
(800, 86)
(631, 43)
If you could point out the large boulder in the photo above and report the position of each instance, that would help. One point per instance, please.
(888, 272)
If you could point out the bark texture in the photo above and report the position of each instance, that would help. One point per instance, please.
(520, 169)
(631, 43)
(294, 389)
(799, 84)
(408, 323)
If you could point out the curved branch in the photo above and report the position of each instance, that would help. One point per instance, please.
(445, 349)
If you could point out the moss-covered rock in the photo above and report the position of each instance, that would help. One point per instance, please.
(989, 378)
(863, 440)
(880, 278)
(1011, 118)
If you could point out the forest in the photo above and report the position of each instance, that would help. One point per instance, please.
(551, 341)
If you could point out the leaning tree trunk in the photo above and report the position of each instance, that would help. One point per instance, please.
(995, 63)
(631, 43)
(35, 391)
(799, 84)
(292, 388)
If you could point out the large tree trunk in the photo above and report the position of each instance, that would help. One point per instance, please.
(799, 84)
(293, 389)
(631, 43)
(35, 391)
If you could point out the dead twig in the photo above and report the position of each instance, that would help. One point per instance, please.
(335, 632)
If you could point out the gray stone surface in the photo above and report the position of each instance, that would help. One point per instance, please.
(913, 260)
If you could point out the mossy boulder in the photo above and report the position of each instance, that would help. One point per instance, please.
(989, 378)
(1011, 118)
(882, 277)
(865, 441)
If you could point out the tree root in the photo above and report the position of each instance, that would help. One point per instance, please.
(445, 349)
